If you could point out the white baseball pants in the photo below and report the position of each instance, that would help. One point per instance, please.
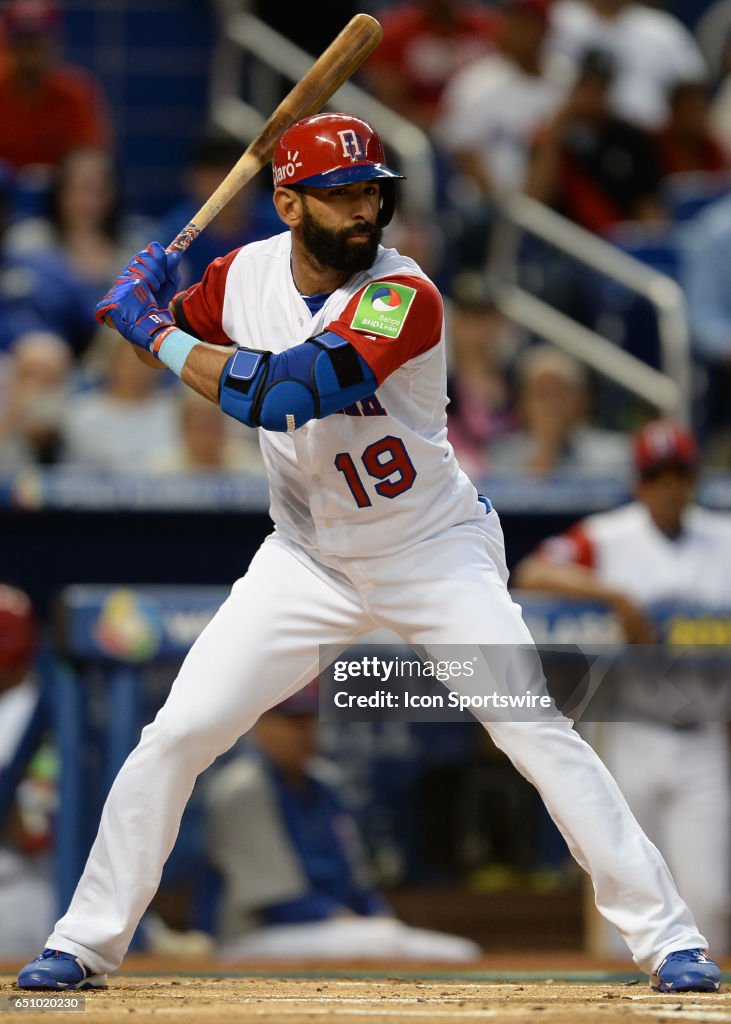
(678, 784)
(262, 645)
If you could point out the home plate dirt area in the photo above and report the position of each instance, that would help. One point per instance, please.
(516, 992)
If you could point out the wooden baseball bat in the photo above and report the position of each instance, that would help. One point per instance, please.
(335, 65)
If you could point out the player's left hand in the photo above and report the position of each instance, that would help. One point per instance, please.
(130, 306)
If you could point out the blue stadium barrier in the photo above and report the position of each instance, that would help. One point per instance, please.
(111, 638)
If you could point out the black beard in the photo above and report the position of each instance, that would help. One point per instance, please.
(331, 248)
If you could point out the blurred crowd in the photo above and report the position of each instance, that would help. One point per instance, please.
(605, 110)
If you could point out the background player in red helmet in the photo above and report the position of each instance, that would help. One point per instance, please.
(674, 770)
(334, 345)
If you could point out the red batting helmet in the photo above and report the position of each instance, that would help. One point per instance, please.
(18, 632)
(664, 443)
(334, 149)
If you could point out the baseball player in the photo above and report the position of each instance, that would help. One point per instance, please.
(673, 769)
(333, 346)
(295, 880)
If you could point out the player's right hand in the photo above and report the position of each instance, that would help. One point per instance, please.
(130, 306)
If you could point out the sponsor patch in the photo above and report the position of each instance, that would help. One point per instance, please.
(383, 308)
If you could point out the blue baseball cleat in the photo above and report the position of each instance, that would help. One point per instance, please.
(687, 970)
(56, 970)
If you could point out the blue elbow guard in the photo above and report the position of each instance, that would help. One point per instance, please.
(240, 383)
(284, 391)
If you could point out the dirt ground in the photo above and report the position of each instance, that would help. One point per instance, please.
(515, 992)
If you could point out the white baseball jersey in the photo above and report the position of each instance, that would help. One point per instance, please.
(630, 553)
(381, 475)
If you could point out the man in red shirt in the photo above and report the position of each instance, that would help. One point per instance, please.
(46, 108)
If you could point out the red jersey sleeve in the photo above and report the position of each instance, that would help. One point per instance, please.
(574, 547)
(391, 321)
(199, 309)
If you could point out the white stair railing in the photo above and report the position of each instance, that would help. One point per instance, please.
(668, 389)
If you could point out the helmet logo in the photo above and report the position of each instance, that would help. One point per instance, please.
(352, 143)
(289, 169)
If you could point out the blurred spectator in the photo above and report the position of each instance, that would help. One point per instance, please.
(294, 874)
(479, 400)
(594, 168)
(46, 108)
(552, 404)
(670, 761)
(424, 43)
(651, 48)
(37, 397)
(85, 233)
(247, 217)
(127, 424)
(687, 143)
(207, 443)
(492, 108)
(27, 897)
(707, 282)
(37, 292)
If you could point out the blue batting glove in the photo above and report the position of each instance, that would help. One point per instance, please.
(130, 306)
(157, 269)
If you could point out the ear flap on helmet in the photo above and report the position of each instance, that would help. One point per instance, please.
(388, 201)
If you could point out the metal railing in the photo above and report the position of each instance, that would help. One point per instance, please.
(244, 35)
(668, 389)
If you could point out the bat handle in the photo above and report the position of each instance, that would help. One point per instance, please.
(184, 238)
